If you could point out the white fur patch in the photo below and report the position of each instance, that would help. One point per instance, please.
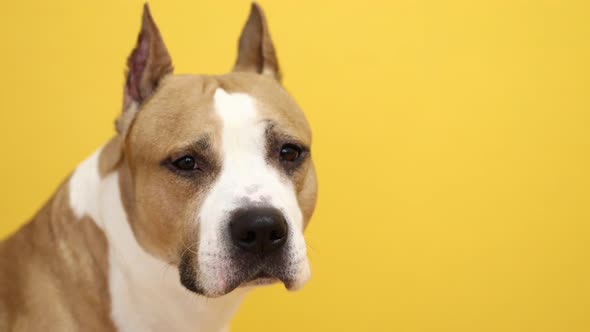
(83, 187)
(245, 178)
(146, 294)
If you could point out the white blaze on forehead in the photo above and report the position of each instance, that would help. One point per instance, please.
(245, 172)
(236, 109)
(246, 178)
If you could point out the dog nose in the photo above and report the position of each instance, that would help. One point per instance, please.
(258, 230)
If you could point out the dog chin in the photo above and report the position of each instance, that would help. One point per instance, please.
(225, 286)
(260, 279)
(229, 275)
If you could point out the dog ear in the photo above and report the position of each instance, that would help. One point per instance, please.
(147, 64)
(256, 52)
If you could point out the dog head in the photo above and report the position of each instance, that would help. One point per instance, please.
(217, 176)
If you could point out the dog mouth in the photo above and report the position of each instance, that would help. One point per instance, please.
(260, 279)
(237, 276)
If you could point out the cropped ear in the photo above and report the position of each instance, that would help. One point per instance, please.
(256, 52)
(147, 64)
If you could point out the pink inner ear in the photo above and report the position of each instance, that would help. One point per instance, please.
(136, 64)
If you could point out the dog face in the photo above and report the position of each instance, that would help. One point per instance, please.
(219, 179)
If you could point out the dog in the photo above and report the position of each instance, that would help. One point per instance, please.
(203, 193)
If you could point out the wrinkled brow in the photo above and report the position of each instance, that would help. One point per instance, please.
(275, 135)
(202, 144)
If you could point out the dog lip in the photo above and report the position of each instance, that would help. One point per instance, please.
(254, 271)
(262, 278)
(259, 282)
(263, 275)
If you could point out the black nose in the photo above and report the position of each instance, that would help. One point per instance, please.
(258, 230)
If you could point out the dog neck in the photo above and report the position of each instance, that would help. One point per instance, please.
(145, 292)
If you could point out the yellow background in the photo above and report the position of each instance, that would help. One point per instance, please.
(452, 140)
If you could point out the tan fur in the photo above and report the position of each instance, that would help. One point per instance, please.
(141, 84)
(54, 273)
(256, 52)
(111, 155)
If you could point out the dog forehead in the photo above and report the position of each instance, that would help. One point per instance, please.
(188, 106)
(178, 114)
(235, 109)
(271, 101)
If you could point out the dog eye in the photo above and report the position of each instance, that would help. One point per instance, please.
(185, 163)
(290, 152)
